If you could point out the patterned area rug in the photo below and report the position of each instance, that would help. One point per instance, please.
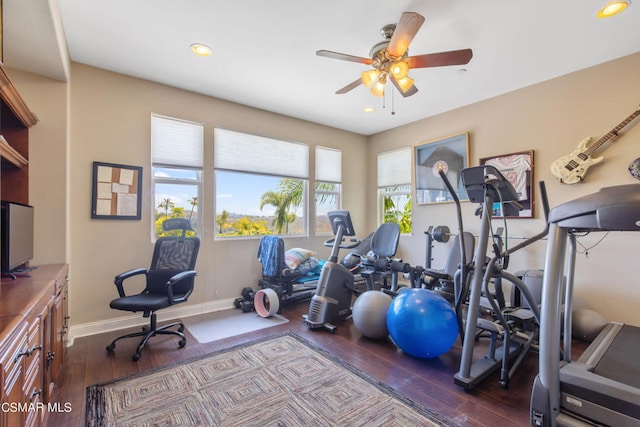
(281, 381)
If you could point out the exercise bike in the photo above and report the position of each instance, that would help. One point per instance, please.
(331, 302)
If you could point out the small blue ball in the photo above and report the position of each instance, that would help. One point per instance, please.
(422, 323)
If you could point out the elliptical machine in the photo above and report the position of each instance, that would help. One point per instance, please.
(516, 327)
(332, 300)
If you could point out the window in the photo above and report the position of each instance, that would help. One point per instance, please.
(176, 150)
(328, 186)
(394, 187)
(260, 185)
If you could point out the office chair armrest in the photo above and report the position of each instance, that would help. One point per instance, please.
(176, 278)
(123, 276)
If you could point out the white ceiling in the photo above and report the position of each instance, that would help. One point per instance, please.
(264, 51)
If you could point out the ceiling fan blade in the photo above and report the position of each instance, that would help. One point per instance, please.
(411, 91)
(406, 29)
(343, 56)
(441, 59)
(354, 84)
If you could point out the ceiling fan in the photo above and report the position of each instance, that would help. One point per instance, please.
(390, 59)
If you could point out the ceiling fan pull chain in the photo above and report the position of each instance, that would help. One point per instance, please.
(393, 103)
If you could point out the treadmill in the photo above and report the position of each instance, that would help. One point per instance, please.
(603, 386)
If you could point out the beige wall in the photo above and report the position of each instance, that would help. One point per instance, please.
(109, 116)
(110, 122)
(48, 164)
(551, 118)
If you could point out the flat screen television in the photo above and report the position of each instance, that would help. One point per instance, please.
(16, 235)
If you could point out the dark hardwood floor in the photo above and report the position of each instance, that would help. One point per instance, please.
(425, 381)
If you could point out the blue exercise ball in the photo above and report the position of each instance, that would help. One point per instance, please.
(422, 323)
(369, 314)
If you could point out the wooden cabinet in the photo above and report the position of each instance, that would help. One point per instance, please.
(34, 387)
(15, 121)
(12, 368)
(33, 310)
(59, 328)
(33, 335)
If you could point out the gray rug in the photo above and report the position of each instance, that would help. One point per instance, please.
(280, 381)
(228, 323)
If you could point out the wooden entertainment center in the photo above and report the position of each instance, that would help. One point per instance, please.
(33, 306)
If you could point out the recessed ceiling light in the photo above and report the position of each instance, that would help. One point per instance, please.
(612, 8)
(368, 109)
(201, 49)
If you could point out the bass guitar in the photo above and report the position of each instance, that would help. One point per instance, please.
(572, 168)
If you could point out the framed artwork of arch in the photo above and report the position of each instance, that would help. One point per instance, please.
(449, 154)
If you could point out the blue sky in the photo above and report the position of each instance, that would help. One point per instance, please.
(241, 193)
(237, 192)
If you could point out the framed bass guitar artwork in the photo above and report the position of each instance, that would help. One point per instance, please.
(572, 168)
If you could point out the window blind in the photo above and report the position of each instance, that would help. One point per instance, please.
(176, 142)
(394, 167)
(243, 152)
(328, 165)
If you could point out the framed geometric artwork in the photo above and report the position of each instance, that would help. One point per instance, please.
(116, 192)
(518, 169)
(451, 155)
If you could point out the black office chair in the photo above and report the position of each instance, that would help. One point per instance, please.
(169, 281)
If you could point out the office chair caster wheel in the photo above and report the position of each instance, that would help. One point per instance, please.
(182, 343)
(110, 348)
(136, 357)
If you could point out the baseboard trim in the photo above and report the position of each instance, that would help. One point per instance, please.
(179, 311)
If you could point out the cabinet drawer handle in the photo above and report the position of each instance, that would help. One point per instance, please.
(27, 353)
(34, 393)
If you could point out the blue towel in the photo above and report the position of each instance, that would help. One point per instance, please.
(271, 255)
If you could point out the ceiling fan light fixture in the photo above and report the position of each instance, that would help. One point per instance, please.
(405, 83)
(399, 70)
(378, 88)
(612, 8)
(200, 49)
(370, 77)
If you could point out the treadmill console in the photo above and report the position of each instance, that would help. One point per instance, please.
(615, 208)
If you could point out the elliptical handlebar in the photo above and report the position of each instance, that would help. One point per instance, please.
(545, 200)
(543, 233)
(463, 250)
